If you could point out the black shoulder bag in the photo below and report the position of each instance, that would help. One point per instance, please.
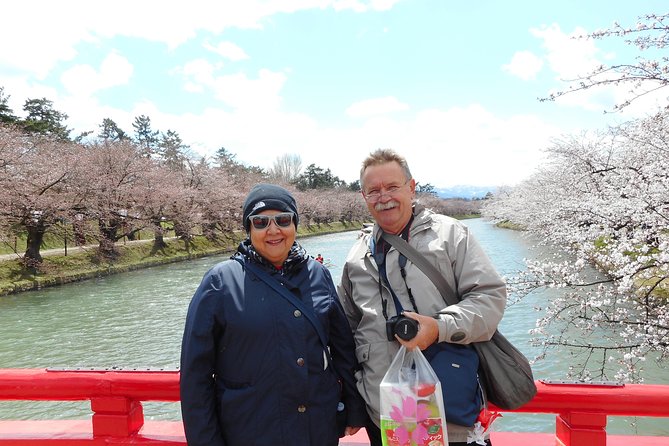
(313, 319)
(505, 373)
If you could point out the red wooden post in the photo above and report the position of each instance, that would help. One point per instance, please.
(581, 428)
(116, 416)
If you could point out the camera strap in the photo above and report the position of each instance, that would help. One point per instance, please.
(379, 256)
(447, 292)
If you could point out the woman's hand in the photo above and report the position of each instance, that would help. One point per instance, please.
(351, 430)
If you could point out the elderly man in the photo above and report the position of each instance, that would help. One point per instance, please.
(378, 283)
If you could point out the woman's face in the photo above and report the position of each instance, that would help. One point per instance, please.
(274, 241)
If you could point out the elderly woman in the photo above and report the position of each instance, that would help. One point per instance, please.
(255, 369)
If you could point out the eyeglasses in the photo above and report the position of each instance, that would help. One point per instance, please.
(375, 195)
(282, 220)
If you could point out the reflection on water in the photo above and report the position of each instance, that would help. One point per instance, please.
(135, 319)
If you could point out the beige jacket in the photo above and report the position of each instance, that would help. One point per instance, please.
(448, 244)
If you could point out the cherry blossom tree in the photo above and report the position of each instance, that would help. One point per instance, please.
(108, 178)
(453, 206)
(185, 213)
(14, 148)
(221, 195)
(153, 194)
(604, 199)
(35, 186)
(352, 207)
(109, 188)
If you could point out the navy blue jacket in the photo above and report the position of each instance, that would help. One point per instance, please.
(253, 369)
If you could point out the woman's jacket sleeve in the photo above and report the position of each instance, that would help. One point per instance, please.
(198, 359)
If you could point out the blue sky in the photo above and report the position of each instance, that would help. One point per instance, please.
(452, 85)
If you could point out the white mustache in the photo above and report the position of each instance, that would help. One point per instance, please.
(383, 206)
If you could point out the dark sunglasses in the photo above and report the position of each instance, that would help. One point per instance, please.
(282, 220)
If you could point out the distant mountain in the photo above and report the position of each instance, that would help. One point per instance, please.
(467, 192)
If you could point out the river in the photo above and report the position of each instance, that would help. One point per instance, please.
(135, 320)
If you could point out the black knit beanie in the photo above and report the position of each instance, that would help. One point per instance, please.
(264, 196)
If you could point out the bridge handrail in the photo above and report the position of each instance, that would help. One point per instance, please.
(116, 396)
(84, 384)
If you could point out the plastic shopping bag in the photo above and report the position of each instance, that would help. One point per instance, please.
(412, 407)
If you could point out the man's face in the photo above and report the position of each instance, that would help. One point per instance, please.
(389, 195)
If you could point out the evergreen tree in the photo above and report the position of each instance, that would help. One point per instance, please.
(6, 113)
(355, 186)
(109, 130)
(426, 189)
(145, 137)
(42, 118)
(172, 149)
(315, 177)
(225, 159)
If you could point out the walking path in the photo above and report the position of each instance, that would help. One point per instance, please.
(72, 249)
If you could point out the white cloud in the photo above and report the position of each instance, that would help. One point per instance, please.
(567, 55)
(33, 42)
(466, 145)
(459, 145)
(40, 41)
(199, 71)
(193, 87)
(470, 145)
(115, 70)
(524, 64)
(462, 145)
(228, 50)
(84, 80)
(377, 106)
(80, 79)
(239, 91)
(362, 6)
(383, 5)
(236, 90)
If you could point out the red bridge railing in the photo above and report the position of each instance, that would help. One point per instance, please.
(116, 398)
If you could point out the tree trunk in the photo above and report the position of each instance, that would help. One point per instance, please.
(130, 234)
(158, 237)
(78, 226)
(108, 232)
(32, 257)
(182, 231)
(209, 231)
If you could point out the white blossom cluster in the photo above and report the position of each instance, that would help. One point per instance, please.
(604, 200)
(645, 76)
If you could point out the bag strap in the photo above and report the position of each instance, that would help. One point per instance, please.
(290, 297)
(421, 262)
(436, 277)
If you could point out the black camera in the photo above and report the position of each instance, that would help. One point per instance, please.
(402, 326)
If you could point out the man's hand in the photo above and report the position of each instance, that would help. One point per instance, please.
(428, 332)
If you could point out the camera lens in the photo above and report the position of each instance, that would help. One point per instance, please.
(406, 328)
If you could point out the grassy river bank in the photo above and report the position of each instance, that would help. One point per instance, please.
(83, 263)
